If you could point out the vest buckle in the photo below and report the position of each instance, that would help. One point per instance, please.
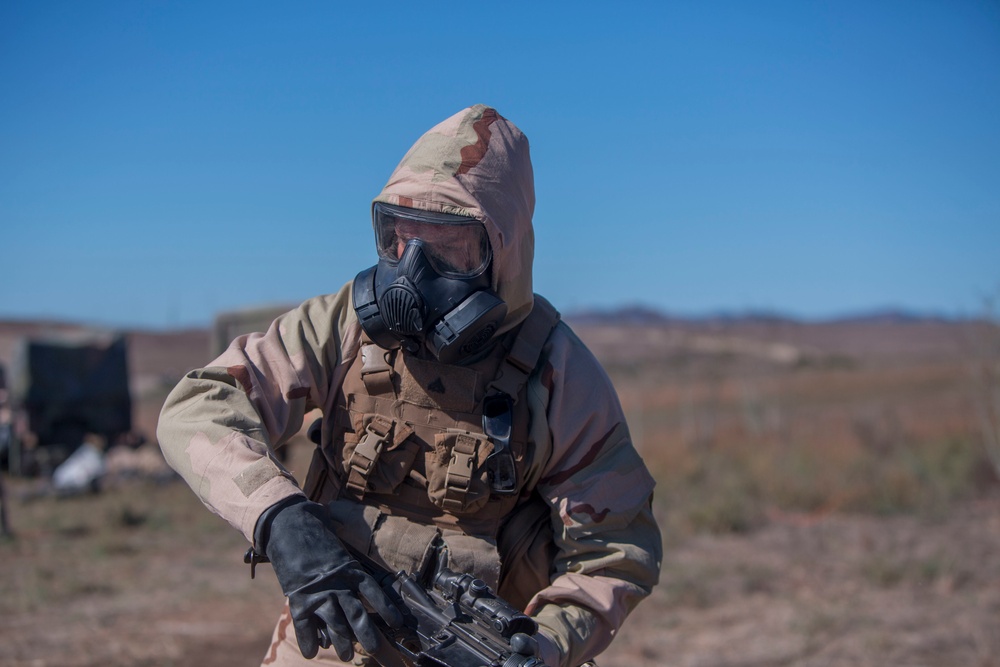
(367, 452)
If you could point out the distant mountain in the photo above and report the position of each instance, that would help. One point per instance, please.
(646, 315)
(892, 316)
(628, 315)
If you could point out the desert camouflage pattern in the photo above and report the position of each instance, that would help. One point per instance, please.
(220, 425)
(477, 164)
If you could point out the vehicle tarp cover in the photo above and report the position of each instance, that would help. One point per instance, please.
(71, 386)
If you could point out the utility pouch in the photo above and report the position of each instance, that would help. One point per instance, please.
(394, 542)
(457, 481)
(380, 459)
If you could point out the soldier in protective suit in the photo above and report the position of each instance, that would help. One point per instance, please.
(460, 416)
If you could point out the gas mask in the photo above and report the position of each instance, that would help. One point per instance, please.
(431, 286)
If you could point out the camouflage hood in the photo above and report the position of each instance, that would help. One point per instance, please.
(476, 164)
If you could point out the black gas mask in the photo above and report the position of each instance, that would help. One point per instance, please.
(431, 286)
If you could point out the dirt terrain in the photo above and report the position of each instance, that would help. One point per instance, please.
(779, 556)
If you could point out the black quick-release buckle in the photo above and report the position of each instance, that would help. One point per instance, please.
(498, 423)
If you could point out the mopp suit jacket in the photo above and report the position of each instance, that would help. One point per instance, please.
(220, 425)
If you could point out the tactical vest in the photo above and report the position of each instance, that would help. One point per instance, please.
(404, 459)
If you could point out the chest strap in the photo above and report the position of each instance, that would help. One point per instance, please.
(515, 368)
(505, 389)
(376, 371)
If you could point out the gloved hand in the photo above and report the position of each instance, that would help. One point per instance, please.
(324, 585)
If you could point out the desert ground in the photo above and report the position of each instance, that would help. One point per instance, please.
(826, 493)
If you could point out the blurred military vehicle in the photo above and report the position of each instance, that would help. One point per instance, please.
(64, 389)
(230, 324)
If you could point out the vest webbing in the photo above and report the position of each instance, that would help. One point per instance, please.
(524, 353)
(478, 542)
(510, 379)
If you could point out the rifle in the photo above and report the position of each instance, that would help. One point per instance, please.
(451, 619)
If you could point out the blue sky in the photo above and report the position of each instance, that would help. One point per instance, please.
(163, 161)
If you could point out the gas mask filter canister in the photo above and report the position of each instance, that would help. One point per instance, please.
(431, 286)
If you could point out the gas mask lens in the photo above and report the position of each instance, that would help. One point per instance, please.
(456, 246)
(431, 286)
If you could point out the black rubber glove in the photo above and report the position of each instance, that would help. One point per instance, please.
(324, 585)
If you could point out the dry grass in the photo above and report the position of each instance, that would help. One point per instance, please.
(836, 509)
(732, 445)
(140, 574)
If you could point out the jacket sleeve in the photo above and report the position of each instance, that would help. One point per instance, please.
(219, 426)
(600, 493)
